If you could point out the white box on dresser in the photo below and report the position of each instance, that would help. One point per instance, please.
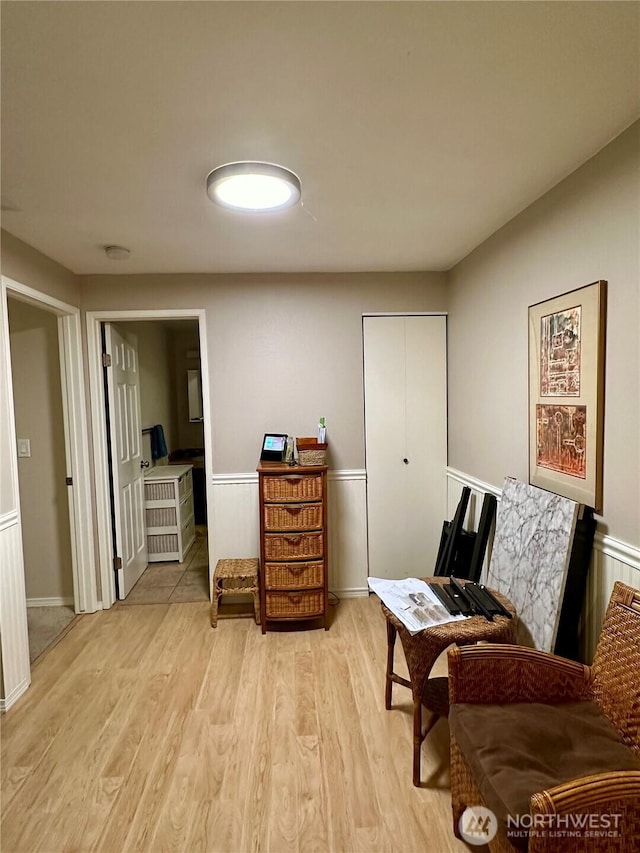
(169, 519)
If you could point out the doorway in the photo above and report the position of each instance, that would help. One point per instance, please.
(164, 436)
(44, 510)
(68, 362)
(164, 395)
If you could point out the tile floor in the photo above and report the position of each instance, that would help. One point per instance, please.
(175, 582)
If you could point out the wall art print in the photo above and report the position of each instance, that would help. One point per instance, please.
(566, 393)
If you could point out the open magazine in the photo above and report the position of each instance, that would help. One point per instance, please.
(412, 602)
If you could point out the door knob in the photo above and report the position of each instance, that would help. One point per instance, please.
(405, 460)
(144, 464)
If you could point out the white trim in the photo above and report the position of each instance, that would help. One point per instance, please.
(24, 293)
(56, 601)
(9, 519)
(234, 479)
(251, 478)
(16, 671)
(14, 695)
(620, 551)
(347, 474)
(473, 482)
(352, 592)
(78, 464)
(405, 314)
(98, 424)
(100, 463)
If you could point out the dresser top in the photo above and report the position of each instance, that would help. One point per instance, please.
(285, 468)
(167, 472)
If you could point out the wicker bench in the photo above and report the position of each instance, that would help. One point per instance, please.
(235, 577)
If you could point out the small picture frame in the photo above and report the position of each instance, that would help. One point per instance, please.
(566, 393)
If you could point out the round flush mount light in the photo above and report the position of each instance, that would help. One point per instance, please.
(117, 253)
(253, 186)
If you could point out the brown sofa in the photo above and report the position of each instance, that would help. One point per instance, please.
(550, 746)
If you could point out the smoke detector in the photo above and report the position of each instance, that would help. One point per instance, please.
(117, 253)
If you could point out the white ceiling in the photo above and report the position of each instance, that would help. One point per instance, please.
(417, 129)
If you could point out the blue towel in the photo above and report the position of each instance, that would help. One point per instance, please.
(158, 444)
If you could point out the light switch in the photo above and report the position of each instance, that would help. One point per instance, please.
(24, 447)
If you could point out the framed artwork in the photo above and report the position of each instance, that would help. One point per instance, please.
(566, 393)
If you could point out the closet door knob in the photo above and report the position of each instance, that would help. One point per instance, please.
(405, 460)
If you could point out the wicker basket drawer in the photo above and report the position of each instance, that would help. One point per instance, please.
(294, 575)
(293, 546)
(162, 543)
(159, 491)
(162, 517)
(292, 487)
(295, 605)
(293, 516)
(185, 484)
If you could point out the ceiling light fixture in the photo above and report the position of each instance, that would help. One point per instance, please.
(253, 186)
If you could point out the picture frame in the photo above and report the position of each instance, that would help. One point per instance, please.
(566, 393)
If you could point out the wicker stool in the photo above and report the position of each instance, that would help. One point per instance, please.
(244, 573)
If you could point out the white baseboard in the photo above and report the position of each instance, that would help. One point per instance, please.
(15, 694)
(353, 592)
(64, 601)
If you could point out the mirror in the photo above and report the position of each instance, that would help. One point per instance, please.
(194, 391)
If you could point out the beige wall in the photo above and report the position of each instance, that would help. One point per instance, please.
(184, 342)
(283, 350)
(157, 377)
(586, 228)
(44, 506)
(24, 264)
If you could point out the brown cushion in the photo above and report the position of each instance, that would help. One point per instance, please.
(515, 750)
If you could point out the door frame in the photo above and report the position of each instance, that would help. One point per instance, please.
(99, 427)
(76, 436)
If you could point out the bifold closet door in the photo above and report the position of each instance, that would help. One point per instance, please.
(405, 386)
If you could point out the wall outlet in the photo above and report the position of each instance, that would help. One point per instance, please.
(24, 447)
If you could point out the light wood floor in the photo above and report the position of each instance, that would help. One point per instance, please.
(147, 730)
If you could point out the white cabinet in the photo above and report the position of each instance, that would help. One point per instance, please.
(405, 386)
(168, 493)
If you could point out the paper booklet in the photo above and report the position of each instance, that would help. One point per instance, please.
(412, 602)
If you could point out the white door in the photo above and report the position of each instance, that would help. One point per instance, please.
(405, 386)
(125, 430)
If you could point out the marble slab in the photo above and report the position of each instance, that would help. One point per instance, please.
(530, 557)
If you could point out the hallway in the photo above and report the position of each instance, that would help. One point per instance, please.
(172, 582)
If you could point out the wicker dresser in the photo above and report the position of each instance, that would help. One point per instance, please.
(293, 543)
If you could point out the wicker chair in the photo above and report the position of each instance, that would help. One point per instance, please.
(495, 685)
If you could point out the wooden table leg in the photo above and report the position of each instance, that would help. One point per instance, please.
(391, 641)
(417, 738)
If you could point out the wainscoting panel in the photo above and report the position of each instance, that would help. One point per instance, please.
(236, 522)
(348, 566)
(236, 526)
(16, 672)
(611, 559)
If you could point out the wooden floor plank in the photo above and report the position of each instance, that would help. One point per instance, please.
(147, 730)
